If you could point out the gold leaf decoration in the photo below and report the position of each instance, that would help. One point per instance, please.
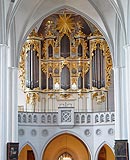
(65, 24)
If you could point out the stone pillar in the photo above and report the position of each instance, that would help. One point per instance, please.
(9, 105)
(127, 95)
(12, 105)
(117, 103)
(119, 98)
(3, 100)
(12, 89)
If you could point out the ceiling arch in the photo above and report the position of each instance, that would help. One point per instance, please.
(30, 13)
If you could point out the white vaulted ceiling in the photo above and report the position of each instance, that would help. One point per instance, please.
(30, 13)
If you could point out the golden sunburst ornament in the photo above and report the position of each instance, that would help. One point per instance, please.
(65, 23)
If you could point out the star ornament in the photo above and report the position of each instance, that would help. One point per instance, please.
(65, 24)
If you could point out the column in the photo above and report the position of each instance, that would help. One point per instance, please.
(12, 89)
(12, 109)
(127, 58)
(119, 99)
(9, 105)
(3, 100)
(14, 105)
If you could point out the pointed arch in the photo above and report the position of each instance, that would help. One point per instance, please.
(24, 34)
(108, 149)
(69, 133)
(27, 146)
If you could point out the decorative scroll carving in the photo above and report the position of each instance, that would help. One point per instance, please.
(32, 98)
(108, 67)
(100, 96)
(22, 68)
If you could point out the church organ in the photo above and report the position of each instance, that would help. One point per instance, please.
(65, 60)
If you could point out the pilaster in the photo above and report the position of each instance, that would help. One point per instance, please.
(3, 100)
(127, 58)
(119, 98)
(12, 89)
(12, 108)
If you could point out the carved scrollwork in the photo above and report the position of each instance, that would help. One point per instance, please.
(108, 67)
(32, 98)
(22, 69)
(99, 96)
